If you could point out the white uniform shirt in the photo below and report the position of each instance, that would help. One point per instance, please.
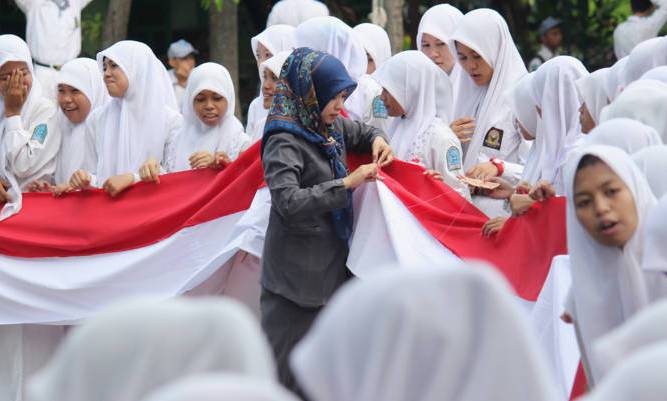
(545, 54)
(444, 155)
(636, 29)
(178, 89)
(32, 141)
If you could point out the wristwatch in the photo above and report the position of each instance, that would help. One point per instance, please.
(500, 165)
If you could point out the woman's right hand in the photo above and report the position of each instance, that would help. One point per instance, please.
(520, 204)
(363, 173)
(463, 128)
(150, 171)
(80, 180)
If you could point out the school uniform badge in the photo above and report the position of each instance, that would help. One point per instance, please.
(379, 108)
(493, 138)
(453, 158)
(39, 133)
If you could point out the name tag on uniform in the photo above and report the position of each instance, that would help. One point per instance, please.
(39, 133)
(379, 109)
(493, 138)
(453, 158)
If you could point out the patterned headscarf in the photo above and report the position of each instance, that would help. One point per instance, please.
(308, 81)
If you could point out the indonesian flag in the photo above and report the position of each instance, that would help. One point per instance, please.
(65, 259)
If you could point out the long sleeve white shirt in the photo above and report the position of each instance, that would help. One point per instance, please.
(636, 29)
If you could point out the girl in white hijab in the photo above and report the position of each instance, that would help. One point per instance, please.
(647, 328)
(333, 36)
(423, 335)
(524, 109)
(652, 161)
(137, 124)
(434, 34)
(615, 79)
(657, 73)
(28, 128)
(270, 72)
(640, 378)
(644, 57)
(134, 348)
(608, 201)
(644, 101)
(593, 96)
(414, 88)
(492, 64)
(80, 91)
(211, 133)
(221, 387)
(629, 135)
(273, 40)
(294, 12)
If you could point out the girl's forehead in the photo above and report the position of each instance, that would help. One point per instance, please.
(10, 66)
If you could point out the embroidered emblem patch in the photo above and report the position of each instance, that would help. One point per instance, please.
(379, 109)
(453, 158)
(493, 138)
(39, 133)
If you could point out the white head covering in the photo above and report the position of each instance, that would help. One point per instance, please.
(645, 56)
(521, 102)
(655, 253)
(486, 32)
(13, 48)
(221, 387)
(275, 63)
(554, 92)
(195, 136)
(652, 161)
(257, 114)
(643, 330)
(294, 12)
(623, 133)
(275, 38)
(84, 75)
(640, 378)
(592, 92)
(657, 73)
(375, 41)
(132, 349)
(393, 338)
(135, 125)
(601, 273)
(420, 88)
(615, 79)
(644, 101)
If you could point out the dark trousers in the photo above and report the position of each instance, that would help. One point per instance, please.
(285, 324)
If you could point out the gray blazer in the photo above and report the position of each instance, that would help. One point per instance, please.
(303, 258)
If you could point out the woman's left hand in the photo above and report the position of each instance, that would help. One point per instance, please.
(493, 226)
(382, 153)
(202, 160)
(118, 183)
(483, 171)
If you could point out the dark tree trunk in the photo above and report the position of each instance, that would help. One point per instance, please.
(394, 27)
(223, 39)
(116, 21)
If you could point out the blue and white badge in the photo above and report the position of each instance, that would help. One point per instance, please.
(39, 133)
(453, 158)
(379, 109)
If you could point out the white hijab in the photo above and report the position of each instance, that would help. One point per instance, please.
(486, 32)
(134, 127)
(195, 136)
(276, 39)
(221, 387)
(132, 349)
(645, 329)
(615, 79)
(644, 101)
(645, 56)
(558, 129)
(640, 378)
(420, 88)
(652, 161)
(294, 12)
(629, 135)
(375, 41)
(593, 93)
(84, 75)
(521, 102)
(655, 253)
(423, 335)
(275, 65)
(657, 73)
(441, 21)
(333, 36)
(13, 48)
(608, 285)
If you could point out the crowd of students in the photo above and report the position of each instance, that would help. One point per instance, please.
(465, 108)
